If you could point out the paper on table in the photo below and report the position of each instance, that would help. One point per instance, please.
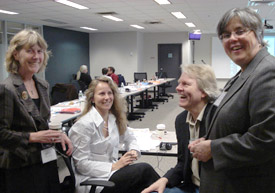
(144, 139)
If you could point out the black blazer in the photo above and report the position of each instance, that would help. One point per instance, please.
(181, 174)
(18, 117)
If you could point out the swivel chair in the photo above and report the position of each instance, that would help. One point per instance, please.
(68, 185)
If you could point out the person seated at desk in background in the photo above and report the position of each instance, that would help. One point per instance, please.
(111, 73)
(197, 88)
(83, 76)
(105, 73)
(96, 137)
(25, 138)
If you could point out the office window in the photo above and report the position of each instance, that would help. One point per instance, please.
(271, 44)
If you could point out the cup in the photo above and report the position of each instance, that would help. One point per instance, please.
(160, 129)
(55, 126)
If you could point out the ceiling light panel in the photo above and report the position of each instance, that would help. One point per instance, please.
(89, 28)
(162, 2)
(112, 18)
(178, 15)
(8, 12)
(137, 26)
(190, 24)
(71, 4)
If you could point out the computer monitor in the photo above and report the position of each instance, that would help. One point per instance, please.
(193, 36)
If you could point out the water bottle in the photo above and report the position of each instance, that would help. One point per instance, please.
(80, 96)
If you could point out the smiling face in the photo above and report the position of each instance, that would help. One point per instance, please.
(103, 98)
(191, 97)
(241, 49)
(30, 59)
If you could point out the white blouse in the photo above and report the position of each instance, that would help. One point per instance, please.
(94, 154)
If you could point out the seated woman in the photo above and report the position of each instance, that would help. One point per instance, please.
(83, 77)
(96, 137)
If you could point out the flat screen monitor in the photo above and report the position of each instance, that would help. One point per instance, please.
(193, 36)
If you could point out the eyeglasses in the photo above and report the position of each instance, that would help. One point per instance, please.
(237, 34)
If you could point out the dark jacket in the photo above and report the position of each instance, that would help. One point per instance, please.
(182, 171)
(18, 117)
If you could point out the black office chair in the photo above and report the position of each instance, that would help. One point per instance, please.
(140, 76)
(164, 86)
(63, 92)
(68, 185)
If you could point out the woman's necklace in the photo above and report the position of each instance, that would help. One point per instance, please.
(105, 129)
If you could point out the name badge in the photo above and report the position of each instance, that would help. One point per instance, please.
(48, 155)
(219, 99)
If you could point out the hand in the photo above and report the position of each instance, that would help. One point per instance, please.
(158, 186)
(52, 136)
(125, 160)
(202, 150)
(134, 154)
(193, 143)
(66, 141)
(46, 136)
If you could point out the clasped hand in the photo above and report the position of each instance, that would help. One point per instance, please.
(201, 149)
(128, 158)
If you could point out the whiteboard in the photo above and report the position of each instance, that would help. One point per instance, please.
(223, 66)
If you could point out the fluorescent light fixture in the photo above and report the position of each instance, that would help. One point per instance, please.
(89, 28)
(190, 24)
(197, 31)
(112, 17)
(8, 12)
(71, 4)
(162, 2)
(178, 15)
(137, 26)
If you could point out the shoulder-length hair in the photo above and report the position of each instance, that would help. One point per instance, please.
(249, 19)
(118, 108)
(25, 39)
(205, 78)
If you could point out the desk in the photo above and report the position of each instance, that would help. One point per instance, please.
(142, 138)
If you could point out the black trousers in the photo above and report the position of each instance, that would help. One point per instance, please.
(39, 178)
(132, 179)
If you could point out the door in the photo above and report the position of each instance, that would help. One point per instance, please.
(169, 61)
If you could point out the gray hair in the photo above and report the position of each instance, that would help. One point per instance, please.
(249, 19)
(205, 78)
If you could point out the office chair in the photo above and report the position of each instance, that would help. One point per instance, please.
(63, 92)
(140, 76)
(164, 86)
(68, 185)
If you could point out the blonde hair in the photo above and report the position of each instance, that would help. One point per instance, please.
(81, 70)
(205, 78)
(118, 108)
(25, 39)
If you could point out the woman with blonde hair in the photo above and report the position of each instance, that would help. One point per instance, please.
(83, 77)
(27, 157)
(96, 137)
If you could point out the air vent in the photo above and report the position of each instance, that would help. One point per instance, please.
(153, 22)
(107, 13)
(53, 21)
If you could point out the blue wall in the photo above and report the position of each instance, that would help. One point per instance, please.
(70, 50)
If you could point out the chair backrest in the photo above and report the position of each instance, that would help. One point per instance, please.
(121, 80)
(63, 92)
(161, 74)
(68, 184)
(140, 76)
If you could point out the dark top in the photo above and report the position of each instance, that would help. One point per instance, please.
(180, 175)
(86, 79)
(18, 117)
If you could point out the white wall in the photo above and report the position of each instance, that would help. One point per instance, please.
(114, 49)
(150, 50)
(131, 52)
